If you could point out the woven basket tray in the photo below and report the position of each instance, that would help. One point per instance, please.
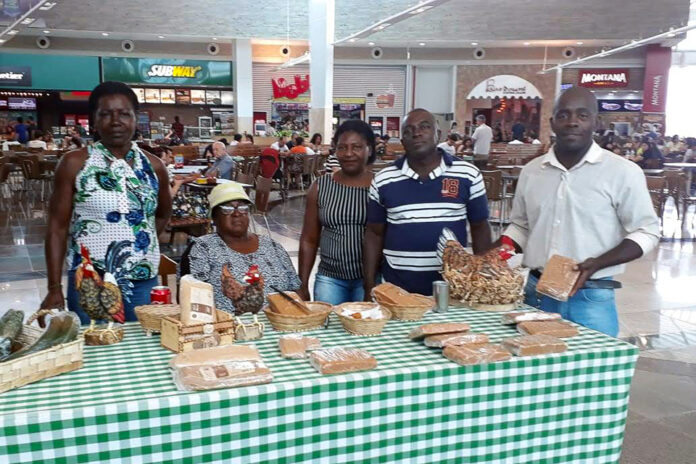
(40, 365)
(409, 312)
(368, 327)
(288, 323)
(150, 316)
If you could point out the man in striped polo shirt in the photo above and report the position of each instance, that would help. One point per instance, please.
(410, 203)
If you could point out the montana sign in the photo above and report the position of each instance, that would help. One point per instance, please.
(603, 78)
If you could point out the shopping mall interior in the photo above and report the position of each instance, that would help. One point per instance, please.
(282, 71)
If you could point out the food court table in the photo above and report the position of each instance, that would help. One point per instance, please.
(689, 167)
(415, 407)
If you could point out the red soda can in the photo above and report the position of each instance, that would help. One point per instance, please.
(160, 295)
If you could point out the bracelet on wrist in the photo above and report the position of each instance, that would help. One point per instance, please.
(54, 286)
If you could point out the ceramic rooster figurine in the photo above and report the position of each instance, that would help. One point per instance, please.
(99, 298)
(247, 297)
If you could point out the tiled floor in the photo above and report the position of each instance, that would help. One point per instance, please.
(657, 310)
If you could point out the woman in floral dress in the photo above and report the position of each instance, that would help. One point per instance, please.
(112, 198)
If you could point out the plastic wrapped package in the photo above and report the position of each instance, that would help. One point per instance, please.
(296, 346)
(559, 329)
(437, 329)
(466, 355)
(220, 367)
(455, 339)
(559, 278)
(201, 341)
(533, 345)
(197, 301)
(523, 316)
(341, 360)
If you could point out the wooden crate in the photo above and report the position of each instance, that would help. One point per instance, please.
(174, 333)
(42, 364)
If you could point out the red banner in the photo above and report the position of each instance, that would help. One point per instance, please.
(657, 62)
(603, 78)
(284, 89)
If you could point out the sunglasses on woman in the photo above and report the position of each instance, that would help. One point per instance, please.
(228, 209)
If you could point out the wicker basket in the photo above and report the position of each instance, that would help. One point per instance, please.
(42, 364)
(150, 316)
(368, 327)
(174, 333)
(288, 323)
(413, 312)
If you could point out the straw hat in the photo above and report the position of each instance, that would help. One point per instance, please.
(222, 193)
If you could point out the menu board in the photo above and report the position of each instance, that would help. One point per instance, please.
(183, 97)
(212, 97)
(152, 95)
(140, 93)
(227, 97)
(167, 96)
(21, 103)
(198, 97)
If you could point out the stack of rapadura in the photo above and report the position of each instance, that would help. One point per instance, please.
(458, 344)
(541, 333)
(334, 360)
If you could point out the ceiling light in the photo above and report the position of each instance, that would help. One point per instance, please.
(422, 44)
(2, 41)
(671, 32)
(474, 43)
(420, 10)
(26, 21)
(105, 34)
(214, 38)
(160, 37)
(370, 43)
(526, 44)
(13, 32)
(579, 43)
(46, 32)
(381, 26)
(352, 40)
(47, 6)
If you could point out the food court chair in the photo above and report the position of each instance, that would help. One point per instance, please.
(657, 187)
(261, 199)
(493, 181)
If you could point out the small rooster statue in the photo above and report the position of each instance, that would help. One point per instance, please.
(247, 298)
(99, 298)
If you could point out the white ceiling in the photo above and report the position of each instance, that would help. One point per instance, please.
(454, 23)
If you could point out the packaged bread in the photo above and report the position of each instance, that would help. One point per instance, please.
(559, 329)
(220, 367)
(281, 305)
(392, 294)
(516, 317)
(559, 278)
(296, 346)
(197, 301)
(455, 339)
(466, 355)
(341, 360)
(533, 345)
(437, 329)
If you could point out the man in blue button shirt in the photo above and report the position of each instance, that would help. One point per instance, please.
(412, 200)
(21, 131)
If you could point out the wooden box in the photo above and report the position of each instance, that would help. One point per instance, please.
(175, 334)
(42, 364)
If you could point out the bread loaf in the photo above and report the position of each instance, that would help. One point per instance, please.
(455, 339)
(341, 360)
(438, 328)
(281, 305)
(559, 278)
(392, 294)
(220, 367)
(296, 346)
(523, 316)
(559, 329)
(533, 345)
(197, 301)
(475, 354)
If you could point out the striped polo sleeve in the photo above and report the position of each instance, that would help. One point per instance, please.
(477, 204)
(376, 212)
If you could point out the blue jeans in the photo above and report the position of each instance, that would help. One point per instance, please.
(337, 291)
(141, 296)
(592, 308)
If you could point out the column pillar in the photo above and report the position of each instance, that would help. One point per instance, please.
(321, 66)
(243, 86)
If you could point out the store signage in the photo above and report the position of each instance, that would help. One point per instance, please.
(620, 105)
(657, 63)
(386, 100)
(603, 78)
(285, 89)
(21, 103)
(160, 71)
(19, 76)
(505, 86)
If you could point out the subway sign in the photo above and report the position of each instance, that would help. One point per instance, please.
(163, 71)
(603, 78)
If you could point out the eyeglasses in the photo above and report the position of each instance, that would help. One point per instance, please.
(227, 210)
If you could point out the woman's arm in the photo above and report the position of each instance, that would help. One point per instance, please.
(309, 240)
(164, 196)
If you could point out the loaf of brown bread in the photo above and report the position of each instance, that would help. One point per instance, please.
(475, 354)
(437, 329)
(341, 360)
(456, 339)
(533, 345)
(559, 329)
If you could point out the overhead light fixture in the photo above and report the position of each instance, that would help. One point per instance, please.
(13, 32)
(160, 37)
(381, 27)
(352, 40)
(105, 34)
(27, 21)
(370, 43)
(2, 41)
(47, 6)
(579, 43)
(46, 32)
(214, 38)
(422, 44)
(526, 44)
(420, 10)
(474, 43)
(671, 32)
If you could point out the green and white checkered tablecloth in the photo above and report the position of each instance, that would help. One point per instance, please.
(415, 407)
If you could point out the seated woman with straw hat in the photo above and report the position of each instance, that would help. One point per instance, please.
(226, 258)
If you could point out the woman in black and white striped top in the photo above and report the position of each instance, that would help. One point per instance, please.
(335, 219)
